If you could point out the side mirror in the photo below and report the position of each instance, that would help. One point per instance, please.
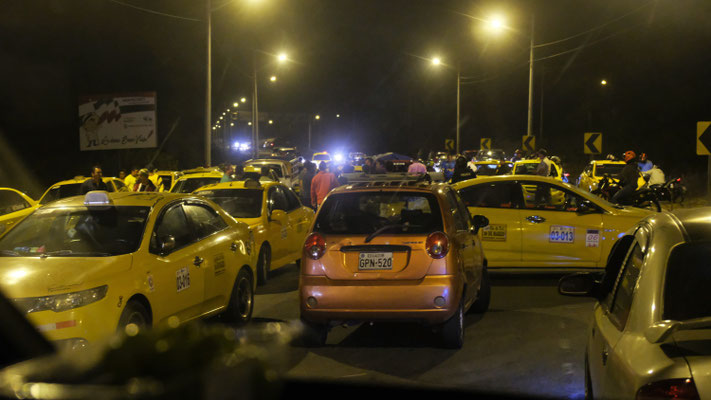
(586, 207)
(582, 284)
(167, 244)
(278, 216)
(479, 221)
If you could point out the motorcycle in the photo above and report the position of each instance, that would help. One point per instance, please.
(672, 191)
(642, 198)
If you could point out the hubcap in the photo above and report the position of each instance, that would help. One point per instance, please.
(244, 294)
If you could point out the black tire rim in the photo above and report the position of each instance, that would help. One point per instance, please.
(244, 298)
(137, 318)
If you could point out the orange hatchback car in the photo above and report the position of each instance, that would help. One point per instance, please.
(393, 251)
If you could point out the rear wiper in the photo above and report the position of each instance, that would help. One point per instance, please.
(387, 227)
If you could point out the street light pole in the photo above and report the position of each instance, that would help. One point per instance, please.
(208, 85)
(255, 113)
(529, 131)
(458, 90)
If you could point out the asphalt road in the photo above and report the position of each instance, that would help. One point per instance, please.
(530, 341)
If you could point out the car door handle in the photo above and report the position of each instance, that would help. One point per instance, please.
(234, 246)
(198, 261)
(535, 219)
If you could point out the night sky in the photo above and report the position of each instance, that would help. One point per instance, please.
(366, 60)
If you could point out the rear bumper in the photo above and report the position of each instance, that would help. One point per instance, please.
(323, 300)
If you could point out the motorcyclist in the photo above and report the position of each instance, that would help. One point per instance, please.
(644, 164)
(628, 178)
(655, 176)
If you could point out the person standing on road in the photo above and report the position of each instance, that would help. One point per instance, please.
(130, 180)
(305, 178)
(628, 178)
(322, 184)
(96, 182)
(544, 167)
(144, 184)
(461, 171)
(228, 170)
(368, 167)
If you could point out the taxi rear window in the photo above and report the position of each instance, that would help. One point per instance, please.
(688, 278)
(189, 185)
(77, 232)
(611, 169)
(366, 212)
(242, 203)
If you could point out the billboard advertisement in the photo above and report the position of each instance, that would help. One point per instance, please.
(117, 121)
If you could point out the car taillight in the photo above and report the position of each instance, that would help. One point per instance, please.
(314, 246)
(678, 179)
(668, 389)
(437, 244)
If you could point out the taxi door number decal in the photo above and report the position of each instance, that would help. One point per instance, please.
(494, 233)
(182, 278)
(219, 264)
(561, 234)
(592, 238)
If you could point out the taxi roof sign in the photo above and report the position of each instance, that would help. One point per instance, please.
(97, 198)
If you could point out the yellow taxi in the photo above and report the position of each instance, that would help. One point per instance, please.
(191, 181)
(274, 214)
(590, 178)
(528, 167)
(14, 205)
(84, 267)
(164, 180)
(72, 187)
(542, 222)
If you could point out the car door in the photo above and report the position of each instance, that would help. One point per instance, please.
(499, 202)
(178, 282)
(299, 222)
(555, 234)
(213, 253)
(463, 238)
(608, 367)
(278, 231)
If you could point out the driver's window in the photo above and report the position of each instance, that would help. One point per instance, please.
(545, 196)
(172, 223)
(277, 199)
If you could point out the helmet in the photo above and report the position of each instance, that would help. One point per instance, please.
(643, 157)
(629, 154)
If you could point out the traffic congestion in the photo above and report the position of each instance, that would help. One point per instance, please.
(271, 199)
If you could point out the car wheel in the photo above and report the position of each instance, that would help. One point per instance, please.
(453, 330)
(134, 313)
(241, 303)
(484, 296)
(263, 264)
(314, 334)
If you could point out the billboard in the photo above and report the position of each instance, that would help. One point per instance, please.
(117, 121)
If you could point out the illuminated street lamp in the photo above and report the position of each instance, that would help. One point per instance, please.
(235, 104)
(603, 82)
(243, 99)
(281, 58)
(273, 78)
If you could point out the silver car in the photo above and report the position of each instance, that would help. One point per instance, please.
(651, 329)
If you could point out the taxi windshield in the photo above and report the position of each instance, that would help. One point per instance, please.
(60, 192)
(688, 277)
(192, 184)
(366, 212)
(242, 203)
(11, 202)
(613, 170)
(77, 231)
(525, 169)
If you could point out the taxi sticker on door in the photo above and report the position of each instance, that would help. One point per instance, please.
(182, 279)
(494, 233)
(592, 238)
(561, 234)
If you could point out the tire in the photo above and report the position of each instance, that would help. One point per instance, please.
(263, 265)
(134, 313)
(314, 334)
(241, 305)
(481, 304)
(453, 330)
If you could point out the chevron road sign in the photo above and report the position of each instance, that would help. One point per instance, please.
(528, 143)
(449, 144)
(485, 144)
(703, 138)
(592, 142)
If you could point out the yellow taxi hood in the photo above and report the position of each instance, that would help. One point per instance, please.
(36, 276)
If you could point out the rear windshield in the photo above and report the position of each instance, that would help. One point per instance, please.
(77, 231)
(525, 169)
(242, 203)
(611, 169)
(274, 167)
(366, 212)
(487, 169)
(190, 185)
(688, 279)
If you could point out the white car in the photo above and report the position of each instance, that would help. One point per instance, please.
(284, 170)
(651, 331)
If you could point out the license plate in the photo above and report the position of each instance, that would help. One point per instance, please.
(375, 261)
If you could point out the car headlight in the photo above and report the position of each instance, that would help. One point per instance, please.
(61, 302)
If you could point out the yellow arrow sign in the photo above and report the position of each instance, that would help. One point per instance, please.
(528, 143)
(703, 138)
(485, 144)
(449, 144)
(592, 142)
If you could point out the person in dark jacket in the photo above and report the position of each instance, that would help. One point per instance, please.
(628, 179)
(305, 177)
(461, 171)
(96, 182)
